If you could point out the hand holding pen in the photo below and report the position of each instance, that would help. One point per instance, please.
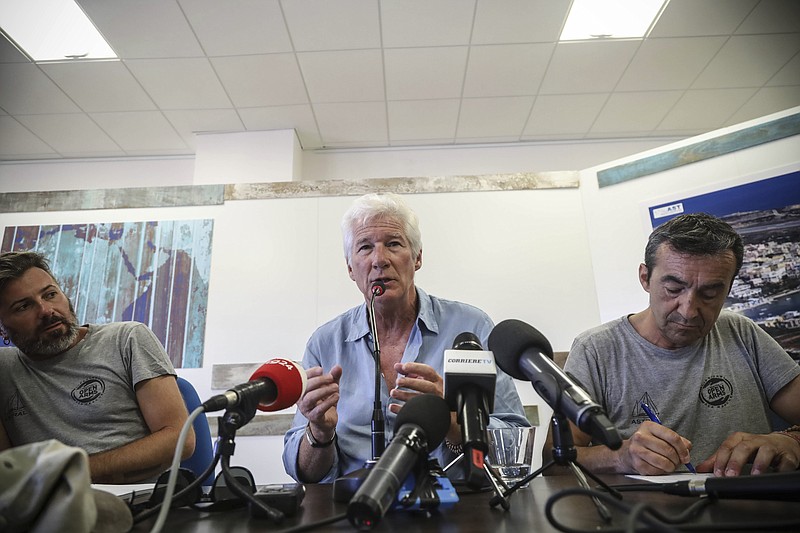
(653, 417)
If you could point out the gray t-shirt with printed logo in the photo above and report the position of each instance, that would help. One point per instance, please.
(84, 397)
(720, 384)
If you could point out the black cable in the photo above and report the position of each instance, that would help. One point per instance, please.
(650, 517)
(147, 513)
(274, 514)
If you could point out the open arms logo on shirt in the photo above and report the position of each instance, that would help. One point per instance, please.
(716, 391)
(88, 391)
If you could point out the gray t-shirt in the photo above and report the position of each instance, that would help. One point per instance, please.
(84, 397)
(720, 384)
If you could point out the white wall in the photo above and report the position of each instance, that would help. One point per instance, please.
(278, 272)
(618, 223)
(562, 260)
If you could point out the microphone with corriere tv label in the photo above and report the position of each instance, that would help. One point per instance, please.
(470, 376)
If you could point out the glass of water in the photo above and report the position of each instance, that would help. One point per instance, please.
(511, 452)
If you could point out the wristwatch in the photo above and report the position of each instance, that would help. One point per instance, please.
(314, 442)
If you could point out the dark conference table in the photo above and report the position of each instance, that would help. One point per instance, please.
(472, 513)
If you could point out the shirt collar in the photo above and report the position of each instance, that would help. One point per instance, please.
(359, 325)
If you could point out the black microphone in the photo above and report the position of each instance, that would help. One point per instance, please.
(275, 385)
(421, 425)
(772, 486)
(470, 376)
(524, 353)
(378, 424)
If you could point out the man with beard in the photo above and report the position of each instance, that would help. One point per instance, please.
(109, 389)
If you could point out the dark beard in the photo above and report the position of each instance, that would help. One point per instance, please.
(51, 343)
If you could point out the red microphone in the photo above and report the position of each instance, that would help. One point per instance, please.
(378, 288)
(277, 384)
(289, 379)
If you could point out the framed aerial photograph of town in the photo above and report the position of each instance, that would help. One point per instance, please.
(766, 213)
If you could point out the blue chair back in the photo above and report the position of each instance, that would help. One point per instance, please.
(203, 449)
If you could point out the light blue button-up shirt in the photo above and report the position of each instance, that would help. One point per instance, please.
(346, 341)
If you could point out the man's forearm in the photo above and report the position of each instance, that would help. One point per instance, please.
(600, 459)
(139, 460)
(314, 463)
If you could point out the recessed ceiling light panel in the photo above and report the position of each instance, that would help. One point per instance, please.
(52, 30)
(610, 19)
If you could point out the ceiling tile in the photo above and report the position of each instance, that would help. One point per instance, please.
(583, 67)
(19, 142)
(423, 119)
(70, 134)
(236, 27)
(563, 114)
(352, 122)
(766, 101)
(192, 121)
(664, 64)
(789, 74)
(297, 117)
(493, 117)
(141, 130)
(519, 21)
(772, 16)
(704, 110)
(502, 139)
(425, 73)
(506, 70)
(634, 112)
(261, 80)
(407, 23)
(26, 91)
(9, 53)
(343, 76)
(183, 83)
(340, 25)
(685, 18)
(143, 29)
(98, 86)
(748, 61)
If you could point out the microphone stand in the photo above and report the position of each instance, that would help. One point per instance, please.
(345, 487)
(378, 422)
(230, 422)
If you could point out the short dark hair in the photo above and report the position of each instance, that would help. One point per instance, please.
(695, 234)
(14, 264)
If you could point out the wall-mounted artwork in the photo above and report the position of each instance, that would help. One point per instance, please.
(766, 213)
(154, 272)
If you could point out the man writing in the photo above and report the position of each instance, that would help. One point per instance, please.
(109, 389)
(711, 376)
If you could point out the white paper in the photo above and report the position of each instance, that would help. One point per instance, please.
(672, 478)
(120, 490)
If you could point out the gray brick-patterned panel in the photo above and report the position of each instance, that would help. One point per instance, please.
(434, 184)
(175, 196)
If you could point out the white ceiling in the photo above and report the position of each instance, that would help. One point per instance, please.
(377, 73)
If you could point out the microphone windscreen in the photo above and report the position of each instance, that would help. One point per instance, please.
(289, 379)
(378, 288)
(430, 413)
(510, 339)
(467, 341)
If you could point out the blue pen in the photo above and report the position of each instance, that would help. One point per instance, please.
(652, 416)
